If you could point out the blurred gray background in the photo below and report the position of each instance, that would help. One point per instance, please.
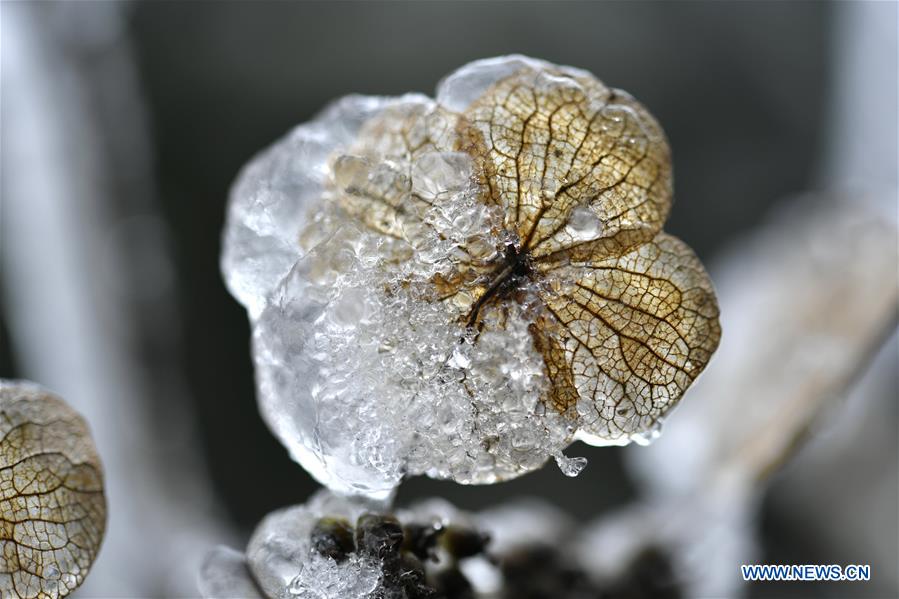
(150, 108)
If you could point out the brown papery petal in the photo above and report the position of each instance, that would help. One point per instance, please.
(633, 333)
(52, 506)
(552, 143)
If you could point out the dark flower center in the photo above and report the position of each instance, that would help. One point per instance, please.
(505, 279)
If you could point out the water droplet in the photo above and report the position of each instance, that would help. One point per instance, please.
(570, 466)
(583, 224)
(649, 435)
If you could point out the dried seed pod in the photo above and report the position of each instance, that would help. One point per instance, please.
(333, 537)
(52, 507)
(462, 542)
(452, 584)
(379, 535)
(410, 576)
(542, 571)
(421, 539)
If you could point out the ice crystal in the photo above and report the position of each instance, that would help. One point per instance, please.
(460, 287)
(284, 564)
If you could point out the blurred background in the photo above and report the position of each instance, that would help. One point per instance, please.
(124, 124)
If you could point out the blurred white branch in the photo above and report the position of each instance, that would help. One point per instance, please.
(65, 258)
(806, 302)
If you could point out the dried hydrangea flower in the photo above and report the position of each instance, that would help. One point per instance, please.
(52, 507)
(461, 287)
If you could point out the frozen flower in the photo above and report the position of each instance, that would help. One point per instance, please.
(461, 287)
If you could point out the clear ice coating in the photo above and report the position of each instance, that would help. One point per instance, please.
(461, 287)
(281, 559)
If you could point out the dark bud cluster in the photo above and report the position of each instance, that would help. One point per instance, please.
(333, 537)
(650, 574)
(408, 556)
(421, 540)
(402, 552)
(379, 536)
(461, 542)
(543, 572)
